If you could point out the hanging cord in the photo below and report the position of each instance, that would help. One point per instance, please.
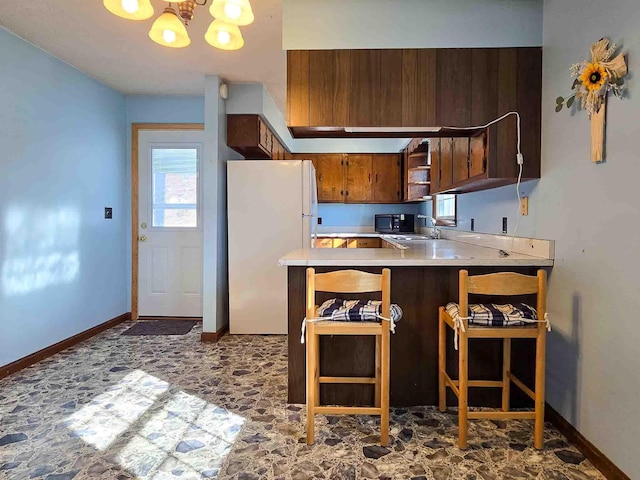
(519, 159)
(458, 325)
(392, 323)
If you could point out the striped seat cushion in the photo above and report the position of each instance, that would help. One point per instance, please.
(493, 315)
(341, 310)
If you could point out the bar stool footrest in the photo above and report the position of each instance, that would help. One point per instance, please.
(347, 410)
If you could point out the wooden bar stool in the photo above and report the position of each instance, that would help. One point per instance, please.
(495, 321)
(348, 281)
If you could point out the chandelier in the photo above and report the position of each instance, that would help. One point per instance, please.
(169, 29)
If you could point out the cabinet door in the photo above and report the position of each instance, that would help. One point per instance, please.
(324, 243)
(390, 88)
(478, 155)
(330, 178)
(460, 159)
(364, 106)
(298, 88)
(386, 178)
(321, 85)
(418, 87)
(434, 150)
(359, 179)
(446, 162)
(265, 134)
(453, 87)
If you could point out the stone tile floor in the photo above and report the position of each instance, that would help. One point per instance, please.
(120, 407)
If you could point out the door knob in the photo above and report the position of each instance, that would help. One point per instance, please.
(142, 238)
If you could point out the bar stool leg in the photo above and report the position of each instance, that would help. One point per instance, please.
(384, 401)
(463, 403)
(311, 343)
(506, 368)
(378, 374)
(442, 361)
(538, 435)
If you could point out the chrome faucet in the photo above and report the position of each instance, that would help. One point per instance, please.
(435, 233)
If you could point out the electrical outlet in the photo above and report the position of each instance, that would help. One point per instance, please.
(108, 212)
(319, 220)
(473, 224)
(504, 224)
(524, 206)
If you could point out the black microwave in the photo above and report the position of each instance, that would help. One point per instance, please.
(395, 223)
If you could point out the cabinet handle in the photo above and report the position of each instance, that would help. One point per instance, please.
(341, 192)
(320, 177)
(347, 193)
(369, 178)
(376, 178)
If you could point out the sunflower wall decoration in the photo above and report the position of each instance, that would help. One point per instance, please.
(592, 83)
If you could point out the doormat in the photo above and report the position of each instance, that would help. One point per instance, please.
(161, 327)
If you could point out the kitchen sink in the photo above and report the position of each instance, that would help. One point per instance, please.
(406, 238)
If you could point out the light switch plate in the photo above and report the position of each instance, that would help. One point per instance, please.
(108, 212)
(524, 206)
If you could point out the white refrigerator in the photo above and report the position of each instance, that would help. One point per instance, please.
(272, 208)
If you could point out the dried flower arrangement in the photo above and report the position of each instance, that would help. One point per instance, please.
(592, 83)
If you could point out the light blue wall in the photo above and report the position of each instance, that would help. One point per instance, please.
(360, 215)
(165, 109)
(336, 24)
(62, 160)
(488, 207)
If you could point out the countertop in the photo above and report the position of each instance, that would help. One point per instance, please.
(416, 253)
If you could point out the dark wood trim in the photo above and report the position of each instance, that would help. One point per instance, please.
(47, 352)
(135, 132)
(214, 336)
(195, 319)
(588, 449)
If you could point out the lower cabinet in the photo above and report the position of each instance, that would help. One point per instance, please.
(364, 242)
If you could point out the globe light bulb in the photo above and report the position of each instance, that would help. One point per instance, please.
(169, 36)
(224, 37)
(130, 6)
(232, 10)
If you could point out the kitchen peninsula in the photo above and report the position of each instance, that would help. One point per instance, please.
(424, 275)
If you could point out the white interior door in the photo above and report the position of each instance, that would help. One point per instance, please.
(170, 223)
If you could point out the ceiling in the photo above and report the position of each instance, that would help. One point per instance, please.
(119, 53)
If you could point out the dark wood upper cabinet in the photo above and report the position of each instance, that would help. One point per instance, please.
(453, 87)
(365, 103)
(427, 88)
(359, 179)
(252, 138)
(386, 178)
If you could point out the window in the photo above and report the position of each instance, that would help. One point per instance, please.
(445, 210)
(175, 187)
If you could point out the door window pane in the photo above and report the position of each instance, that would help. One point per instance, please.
(175, 187)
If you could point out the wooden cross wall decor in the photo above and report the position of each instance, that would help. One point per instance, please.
(592, 82)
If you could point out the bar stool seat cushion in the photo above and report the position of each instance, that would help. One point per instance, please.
(341, 310)
(494, 315)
